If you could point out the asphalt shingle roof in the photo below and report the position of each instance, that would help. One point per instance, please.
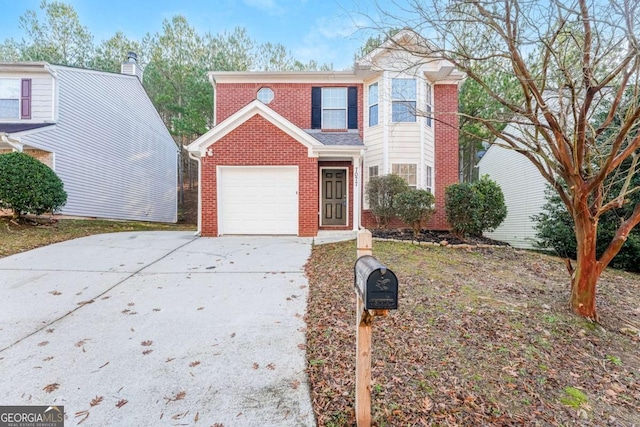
(21, 127)
(337, 138)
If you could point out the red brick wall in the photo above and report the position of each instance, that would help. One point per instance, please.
(257, 142)
(349, 167)
(291, 100)
(446, 148)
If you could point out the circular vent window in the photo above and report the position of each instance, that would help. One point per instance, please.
(265, 95)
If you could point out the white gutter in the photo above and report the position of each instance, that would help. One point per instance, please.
(199, 160)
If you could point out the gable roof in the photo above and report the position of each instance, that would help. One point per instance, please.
(402, 49)
(314, 145)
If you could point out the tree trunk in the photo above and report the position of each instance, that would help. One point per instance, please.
(587, 271)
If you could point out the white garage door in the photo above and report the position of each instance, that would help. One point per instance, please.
(258, 200)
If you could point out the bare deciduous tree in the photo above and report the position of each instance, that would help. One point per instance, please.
(575, 101)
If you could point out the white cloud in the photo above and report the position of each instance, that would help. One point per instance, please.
(269, 6)
(331, 40)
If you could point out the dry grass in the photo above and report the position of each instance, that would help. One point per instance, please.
(481, 338)
(15, 238)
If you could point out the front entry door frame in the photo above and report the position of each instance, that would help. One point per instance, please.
(346, 195)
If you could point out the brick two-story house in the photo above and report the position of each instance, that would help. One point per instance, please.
(292, 151)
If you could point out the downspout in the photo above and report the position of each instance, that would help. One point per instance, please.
(214, 112)
(14, 143)
(357, 223)
(54, 103)
(199, 160)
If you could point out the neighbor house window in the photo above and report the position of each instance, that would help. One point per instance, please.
(373, 171)
(265, 95)
(9, 98)
(373, 104)
(429, 103)
(403, 100)
(406, 171)
(429, 183)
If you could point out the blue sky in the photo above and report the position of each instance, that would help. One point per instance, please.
(323, 30)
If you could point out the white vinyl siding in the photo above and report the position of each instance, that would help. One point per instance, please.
(258, 200)
(112, 151)
(42, 99)
(523, 188)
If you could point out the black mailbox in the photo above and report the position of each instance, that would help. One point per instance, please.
(376, 284)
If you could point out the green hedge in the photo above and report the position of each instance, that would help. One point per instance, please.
(29, 186)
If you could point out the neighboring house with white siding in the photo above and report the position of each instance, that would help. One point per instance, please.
(523, 188)
(99, 132)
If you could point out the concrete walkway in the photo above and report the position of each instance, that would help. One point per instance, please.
(158, 328)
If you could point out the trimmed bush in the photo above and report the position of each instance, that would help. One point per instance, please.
(493, 209)
(461, 206)
(473, 208)
(414, 206)
(381, 191)
(29, 186)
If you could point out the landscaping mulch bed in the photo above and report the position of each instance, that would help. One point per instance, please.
(433, 236)
(482, 337)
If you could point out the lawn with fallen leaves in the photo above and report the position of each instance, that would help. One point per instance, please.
(19, 237)
(482, 337)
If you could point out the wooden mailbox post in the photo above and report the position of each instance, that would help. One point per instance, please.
(376, 290)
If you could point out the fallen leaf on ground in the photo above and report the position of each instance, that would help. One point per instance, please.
(51, 387)
(84, 414)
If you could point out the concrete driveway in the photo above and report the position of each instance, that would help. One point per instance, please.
(158, 328)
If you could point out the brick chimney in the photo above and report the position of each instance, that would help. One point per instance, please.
(131, 66)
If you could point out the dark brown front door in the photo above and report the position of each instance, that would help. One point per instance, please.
(334, 197)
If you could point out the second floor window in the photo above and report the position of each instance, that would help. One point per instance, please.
(429, 103)
(334, 108)
(9, 98)
(403, 99)
(265, 95)
(373, 104)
